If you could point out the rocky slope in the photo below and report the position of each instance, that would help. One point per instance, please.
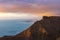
(46, 29)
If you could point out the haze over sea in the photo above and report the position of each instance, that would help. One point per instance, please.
(13, 27)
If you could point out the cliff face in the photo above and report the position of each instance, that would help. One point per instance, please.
(46, 29)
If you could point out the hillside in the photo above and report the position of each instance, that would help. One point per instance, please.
(46, 29)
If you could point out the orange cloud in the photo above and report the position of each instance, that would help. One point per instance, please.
(32, 8)
(42, 10)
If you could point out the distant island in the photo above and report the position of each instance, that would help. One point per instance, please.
(46, 29)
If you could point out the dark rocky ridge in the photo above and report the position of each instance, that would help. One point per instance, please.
(46, 29)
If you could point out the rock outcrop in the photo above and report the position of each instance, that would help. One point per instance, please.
(46, 29)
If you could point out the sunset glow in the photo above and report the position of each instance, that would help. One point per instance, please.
(47, 14)
(21, 16)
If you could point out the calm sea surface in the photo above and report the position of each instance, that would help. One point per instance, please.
(13, 27)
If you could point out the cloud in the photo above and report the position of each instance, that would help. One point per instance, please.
(33, 8)
(50, 6)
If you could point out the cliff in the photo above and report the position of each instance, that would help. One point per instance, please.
(46, 29)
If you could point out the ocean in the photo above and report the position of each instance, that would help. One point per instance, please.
(13, 27)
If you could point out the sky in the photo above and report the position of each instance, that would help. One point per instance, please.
(29, 7)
